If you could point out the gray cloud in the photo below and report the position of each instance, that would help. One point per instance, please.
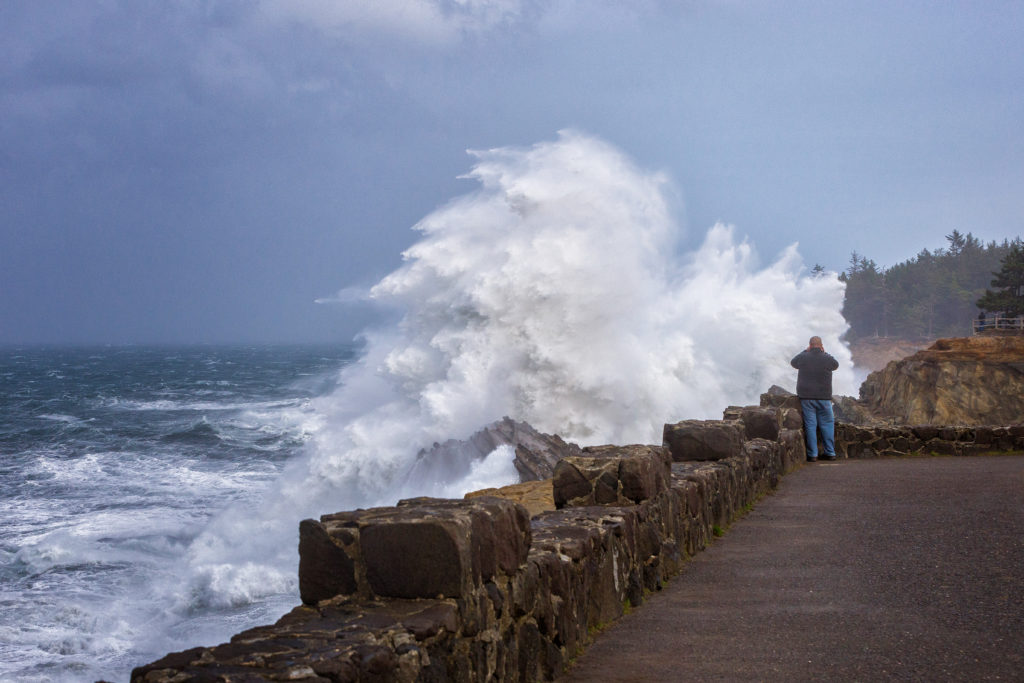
(205, 171)
(435, 23)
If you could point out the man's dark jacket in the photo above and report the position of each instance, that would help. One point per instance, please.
(814, 379)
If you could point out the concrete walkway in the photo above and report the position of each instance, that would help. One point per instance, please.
(860, 570)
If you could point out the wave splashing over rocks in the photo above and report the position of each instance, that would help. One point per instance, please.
(555, 294)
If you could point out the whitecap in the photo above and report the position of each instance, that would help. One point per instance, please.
(554, 294)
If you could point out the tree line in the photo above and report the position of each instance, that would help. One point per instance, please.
(936, 293)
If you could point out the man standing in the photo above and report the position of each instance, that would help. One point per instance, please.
(814, 387)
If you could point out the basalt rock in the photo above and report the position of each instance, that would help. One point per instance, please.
(422, 548)
(703, 439)
(964, 381)
(861, 441)
(611, 475)
(791, 448)
(760, 422)
(536, 452)
(845, 408)
(849, 409)
(777, 397)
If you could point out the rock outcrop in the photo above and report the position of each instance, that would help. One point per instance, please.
(874, 353)
(536, 452)
(963, 381)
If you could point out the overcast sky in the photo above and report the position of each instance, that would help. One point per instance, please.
(204, 170)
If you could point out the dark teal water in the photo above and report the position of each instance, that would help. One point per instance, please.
(111, 462)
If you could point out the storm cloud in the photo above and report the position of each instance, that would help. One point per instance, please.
(205, 171)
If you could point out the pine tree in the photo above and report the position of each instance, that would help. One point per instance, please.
(931, 295)
(1007, 293)
(957, 242)
(864, 305)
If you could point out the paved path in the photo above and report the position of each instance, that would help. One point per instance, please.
(866, 570)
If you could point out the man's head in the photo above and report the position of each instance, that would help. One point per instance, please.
(815, 343)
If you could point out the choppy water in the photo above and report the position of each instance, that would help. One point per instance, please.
(111, 462)
(150, 497)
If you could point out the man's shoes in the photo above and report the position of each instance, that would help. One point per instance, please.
(829, 457)
(812, 460)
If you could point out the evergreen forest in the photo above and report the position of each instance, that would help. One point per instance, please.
(934, 294)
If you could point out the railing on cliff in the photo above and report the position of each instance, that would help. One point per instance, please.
(998, 325)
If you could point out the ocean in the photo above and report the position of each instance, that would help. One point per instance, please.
(151, 496)
(112, 460)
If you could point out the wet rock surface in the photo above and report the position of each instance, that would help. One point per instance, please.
(536, 452)
(477, 590)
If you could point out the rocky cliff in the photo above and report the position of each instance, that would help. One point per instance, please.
(536, 453)
(964, 381)
(874, 353)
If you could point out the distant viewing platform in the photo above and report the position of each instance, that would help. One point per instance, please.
(998, 325)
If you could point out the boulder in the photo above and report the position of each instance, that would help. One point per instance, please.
(761, 423)
(611, 475)
(325, 569)
(536, 452)
(777, 397)
(581, 481)
(762, 455)
(792, 418)
(849, 409)
(732, 413)
(422, 548)
(703, 439)
(791, 448)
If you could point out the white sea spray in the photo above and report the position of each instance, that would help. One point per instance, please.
(157, 502)
(554, 293)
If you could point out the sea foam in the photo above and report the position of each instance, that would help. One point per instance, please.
(554, 293)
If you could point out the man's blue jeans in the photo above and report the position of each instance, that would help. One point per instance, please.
(818, 417)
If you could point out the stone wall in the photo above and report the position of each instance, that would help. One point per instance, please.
(476, 590)
(854, 441)
(858, 438)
